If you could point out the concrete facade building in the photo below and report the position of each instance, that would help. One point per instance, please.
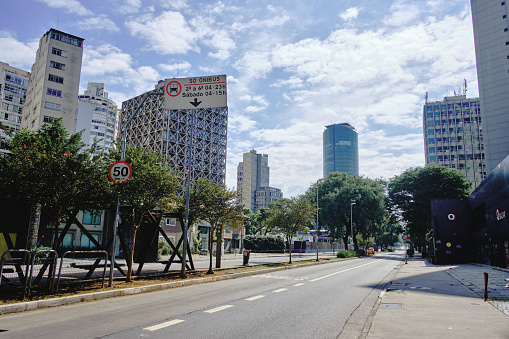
(453, 136)
(340, 149)
(54, 82)
(97, 117)
(491, 36)
(253, 182)
(13, 89)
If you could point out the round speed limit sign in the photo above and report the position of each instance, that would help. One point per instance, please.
(120, 172)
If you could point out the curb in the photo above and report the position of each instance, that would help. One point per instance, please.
(74, 299)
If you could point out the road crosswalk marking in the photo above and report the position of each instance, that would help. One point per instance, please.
(163, 325)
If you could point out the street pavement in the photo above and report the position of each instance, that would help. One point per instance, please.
(417, 300)
(435, 301)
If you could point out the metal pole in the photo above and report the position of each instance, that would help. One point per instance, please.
(351, 221)
(317, 227)
(122, 157)
(188, 179)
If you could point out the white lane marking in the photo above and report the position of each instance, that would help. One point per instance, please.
(280, 290)
(163, 325)
(217, 309)
(348, 269)
(297, 285)
(255, 297)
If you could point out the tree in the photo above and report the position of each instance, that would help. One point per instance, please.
(257, 222)
(410, 195)
(337, 192)
(53, 172)
(290, 216)
(152, 181)
(218, 206)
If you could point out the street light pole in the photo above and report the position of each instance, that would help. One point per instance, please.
(317, 227)
(351, 220)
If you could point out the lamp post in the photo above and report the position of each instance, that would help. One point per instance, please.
(317, 227)
(351, 220)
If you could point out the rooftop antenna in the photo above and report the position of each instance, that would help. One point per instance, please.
(465, 87)
(426, 97)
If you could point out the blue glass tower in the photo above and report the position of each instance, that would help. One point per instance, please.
(340, 149)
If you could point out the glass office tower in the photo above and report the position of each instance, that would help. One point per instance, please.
(340, 149)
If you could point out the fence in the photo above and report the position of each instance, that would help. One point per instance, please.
(20, 269)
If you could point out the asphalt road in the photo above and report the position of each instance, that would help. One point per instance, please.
(308, 302)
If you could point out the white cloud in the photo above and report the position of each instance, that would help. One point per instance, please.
(175, 69)
(168, 33)
(16, 53)
(174, 4)
(349, 14)
(101, 22)
(72, 6)
(115, 66)
(402, 13)
(128, 6)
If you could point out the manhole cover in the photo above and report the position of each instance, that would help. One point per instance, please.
(391, 306)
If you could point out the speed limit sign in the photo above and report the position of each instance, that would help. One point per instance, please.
(120, 172)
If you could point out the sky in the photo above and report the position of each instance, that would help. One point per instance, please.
(293, 67)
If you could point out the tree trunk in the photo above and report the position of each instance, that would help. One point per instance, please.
(211, 238)
(345, 242)
(33, 226)
(218, 246)
(289, 241)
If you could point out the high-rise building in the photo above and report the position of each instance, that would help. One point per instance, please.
(54, 82)
(340, 149)
(168, 132)
(491, 36)
(97, 117)
(253, 182)
(453, 136)
(13, 89)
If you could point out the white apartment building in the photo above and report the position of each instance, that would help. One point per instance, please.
(453, 136)
(13, 89)
(97, 117)
(54, 82)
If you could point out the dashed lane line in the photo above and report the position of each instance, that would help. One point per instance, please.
(280, 290)
(217, 309)
(163, 325)
(299, 284)
(348, 269)
(255, 297)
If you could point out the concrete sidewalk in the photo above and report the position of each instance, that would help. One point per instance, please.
(433, 301)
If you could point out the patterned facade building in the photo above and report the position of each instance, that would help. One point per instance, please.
(453, 136)
(169, 132)
(340, 149)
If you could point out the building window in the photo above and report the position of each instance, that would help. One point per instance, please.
(92, 217)
(86, 242)
(57, 65)
(55, 78)
(47, 119)
(504, 16)
(51, 105)
(171, 221)
(506, 29)
(59, 52)
(54, 92)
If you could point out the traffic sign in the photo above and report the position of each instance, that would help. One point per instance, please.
(404, 237)
(120, 172)
(195, 93)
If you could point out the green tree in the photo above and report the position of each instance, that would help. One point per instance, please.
(410, 195)
(218, 206)
(337, 192)
(256, 223)
(290, 216)
(152, 181)
(54, 173)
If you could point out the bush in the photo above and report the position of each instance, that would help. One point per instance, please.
(261, 243)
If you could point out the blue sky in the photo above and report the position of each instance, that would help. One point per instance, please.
(293, 67)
